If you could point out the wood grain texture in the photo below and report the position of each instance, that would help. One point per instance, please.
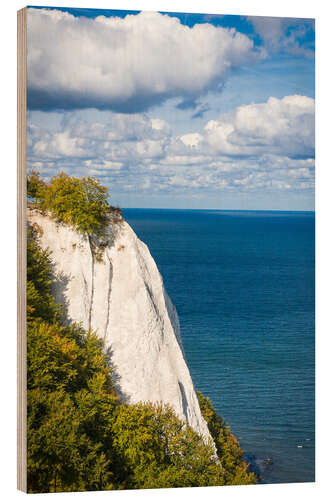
(21, 250)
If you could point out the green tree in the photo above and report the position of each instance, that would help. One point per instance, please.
(80, 202)
(62, 457)
(40, 302)
(228, 450)
(158, 450)
(71, 404)
(35, 186)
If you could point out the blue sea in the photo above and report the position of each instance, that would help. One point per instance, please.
(243, 283)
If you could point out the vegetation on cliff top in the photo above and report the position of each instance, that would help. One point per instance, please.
(80, 202)
(81, 436)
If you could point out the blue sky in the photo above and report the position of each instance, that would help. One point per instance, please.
(175, 110)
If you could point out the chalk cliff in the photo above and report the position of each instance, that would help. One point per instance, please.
(113, 286)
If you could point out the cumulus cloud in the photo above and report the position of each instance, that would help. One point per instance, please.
(265, 146)
(126, 65)
(122, 139)
(279, 126)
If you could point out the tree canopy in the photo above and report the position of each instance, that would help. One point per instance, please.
(80, 202)
(228, 450)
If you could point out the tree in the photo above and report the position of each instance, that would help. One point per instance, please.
(35, 186)
(158, 450)
(228, 450)
(71, 406)
(80, 202)
(40, 302)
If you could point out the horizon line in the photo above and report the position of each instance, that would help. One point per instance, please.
(220, 209)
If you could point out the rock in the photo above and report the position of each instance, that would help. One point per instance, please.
(114, 287)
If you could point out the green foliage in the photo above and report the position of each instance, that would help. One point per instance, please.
(81, 437)
(80, 202)
(61, 456)
(35, 186)
(228, 450)
(157, 450)
(71, 403)
(40, 302)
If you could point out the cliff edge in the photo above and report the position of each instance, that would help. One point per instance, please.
(113, 286)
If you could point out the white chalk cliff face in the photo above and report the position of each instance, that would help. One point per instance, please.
(118, 291)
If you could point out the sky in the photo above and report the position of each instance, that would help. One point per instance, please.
(173, 110)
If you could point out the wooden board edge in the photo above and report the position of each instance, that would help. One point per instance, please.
(21, 250)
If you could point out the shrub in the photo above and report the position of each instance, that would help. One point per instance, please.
(40, 302)
(80, 202)
(158, 450)
(228, 450)
(35, 186)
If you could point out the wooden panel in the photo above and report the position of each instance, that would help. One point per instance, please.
(21, 250)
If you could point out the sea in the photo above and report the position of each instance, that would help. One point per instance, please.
(243, 283)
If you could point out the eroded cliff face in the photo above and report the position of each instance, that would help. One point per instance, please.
(116, 289)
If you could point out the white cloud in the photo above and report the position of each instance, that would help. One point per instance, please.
(256, 147)
(123, 138)
(150, 149)
(279, 126)
(192, 140)
(126, 64)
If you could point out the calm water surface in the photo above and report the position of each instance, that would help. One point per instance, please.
(243, 286)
